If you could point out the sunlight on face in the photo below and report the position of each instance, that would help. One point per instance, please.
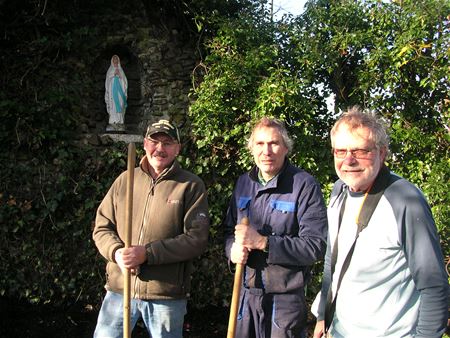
(161, 151)
(269, 151)
(357, 173)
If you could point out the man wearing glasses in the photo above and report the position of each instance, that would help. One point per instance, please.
(384, 272)
(170, 226)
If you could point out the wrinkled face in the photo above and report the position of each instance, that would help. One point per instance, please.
(161, 151)
(269, 151)
(358, 169)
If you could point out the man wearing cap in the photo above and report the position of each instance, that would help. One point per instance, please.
(170, 225)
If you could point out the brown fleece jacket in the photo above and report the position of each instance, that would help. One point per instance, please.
(170, 217)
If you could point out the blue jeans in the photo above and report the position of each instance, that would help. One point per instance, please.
(163, 318)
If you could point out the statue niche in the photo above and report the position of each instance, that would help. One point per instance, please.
(116, 87)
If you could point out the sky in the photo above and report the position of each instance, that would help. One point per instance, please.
(294, 7)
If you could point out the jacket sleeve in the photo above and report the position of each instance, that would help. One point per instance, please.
(230, 223)
(193, 241)
(426, 262)
(321, 298)
(105, 233)
(310, 244)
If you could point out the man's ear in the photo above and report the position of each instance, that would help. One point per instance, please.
(383, 154)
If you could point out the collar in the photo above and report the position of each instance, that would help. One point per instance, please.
(145, 166)
(340, 189)
(262, 180)
(256, 176)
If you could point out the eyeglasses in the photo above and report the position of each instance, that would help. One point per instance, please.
(356, 153)
(164, 144)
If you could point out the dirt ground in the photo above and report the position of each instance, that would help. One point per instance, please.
(18, 320)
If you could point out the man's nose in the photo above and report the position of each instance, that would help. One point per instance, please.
(349, 158)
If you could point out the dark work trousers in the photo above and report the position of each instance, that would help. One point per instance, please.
(271, 315)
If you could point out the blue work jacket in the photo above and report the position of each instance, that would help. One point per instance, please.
(290, 210)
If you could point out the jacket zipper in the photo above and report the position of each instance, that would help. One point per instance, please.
(144, 223)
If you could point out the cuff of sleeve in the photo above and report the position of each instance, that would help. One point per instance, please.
(150, 255)
(266, 248)
(113, 252)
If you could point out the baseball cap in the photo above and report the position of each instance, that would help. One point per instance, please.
(163, 126)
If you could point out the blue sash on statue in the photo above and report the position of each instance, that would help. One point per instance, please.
(118, 94)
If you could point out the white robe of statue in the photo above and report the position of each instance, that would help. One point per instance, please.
(116, 86)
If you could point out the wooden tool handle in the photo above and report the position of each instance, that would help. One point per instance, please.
(236, 292)
(128, 222)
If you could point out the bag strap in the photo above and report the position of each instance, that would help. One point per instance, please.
(371, 199)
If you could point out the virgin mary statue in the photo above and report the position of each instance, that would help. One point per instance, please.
(116, 86)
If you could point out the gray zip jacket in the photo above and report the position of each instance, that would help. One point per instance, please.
(170, 217)
(395, 285)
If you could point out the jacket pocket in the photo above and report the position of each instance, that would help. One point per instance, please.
(283, 218)
(114, 277)
(243, 202)
(278, 278)
(165, 280)
(289, 310)
(283, 206)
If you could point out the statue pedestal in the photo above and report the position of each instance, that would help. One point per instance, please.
(115, 128)
(127, 138)
(110, 138)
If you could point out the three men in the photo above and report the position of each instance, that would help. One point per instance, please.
(384, 273)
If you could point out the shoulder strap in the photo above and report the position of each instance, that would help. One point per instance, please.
(369, 205)
(372, 199)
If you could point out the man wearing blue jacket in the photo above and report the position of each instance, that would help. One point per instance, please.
(287, 234)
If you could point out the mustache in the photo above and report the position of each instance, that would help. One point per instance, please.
(160, 154)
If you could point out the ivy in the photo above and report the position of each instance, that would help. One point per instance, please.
(391, 57)
(388, 56)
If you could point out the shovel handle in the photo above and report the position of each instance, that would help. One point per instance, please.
(236, 292)
(128, 221)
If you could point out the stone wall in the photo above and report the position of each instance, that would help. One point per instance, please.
(158, 63)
